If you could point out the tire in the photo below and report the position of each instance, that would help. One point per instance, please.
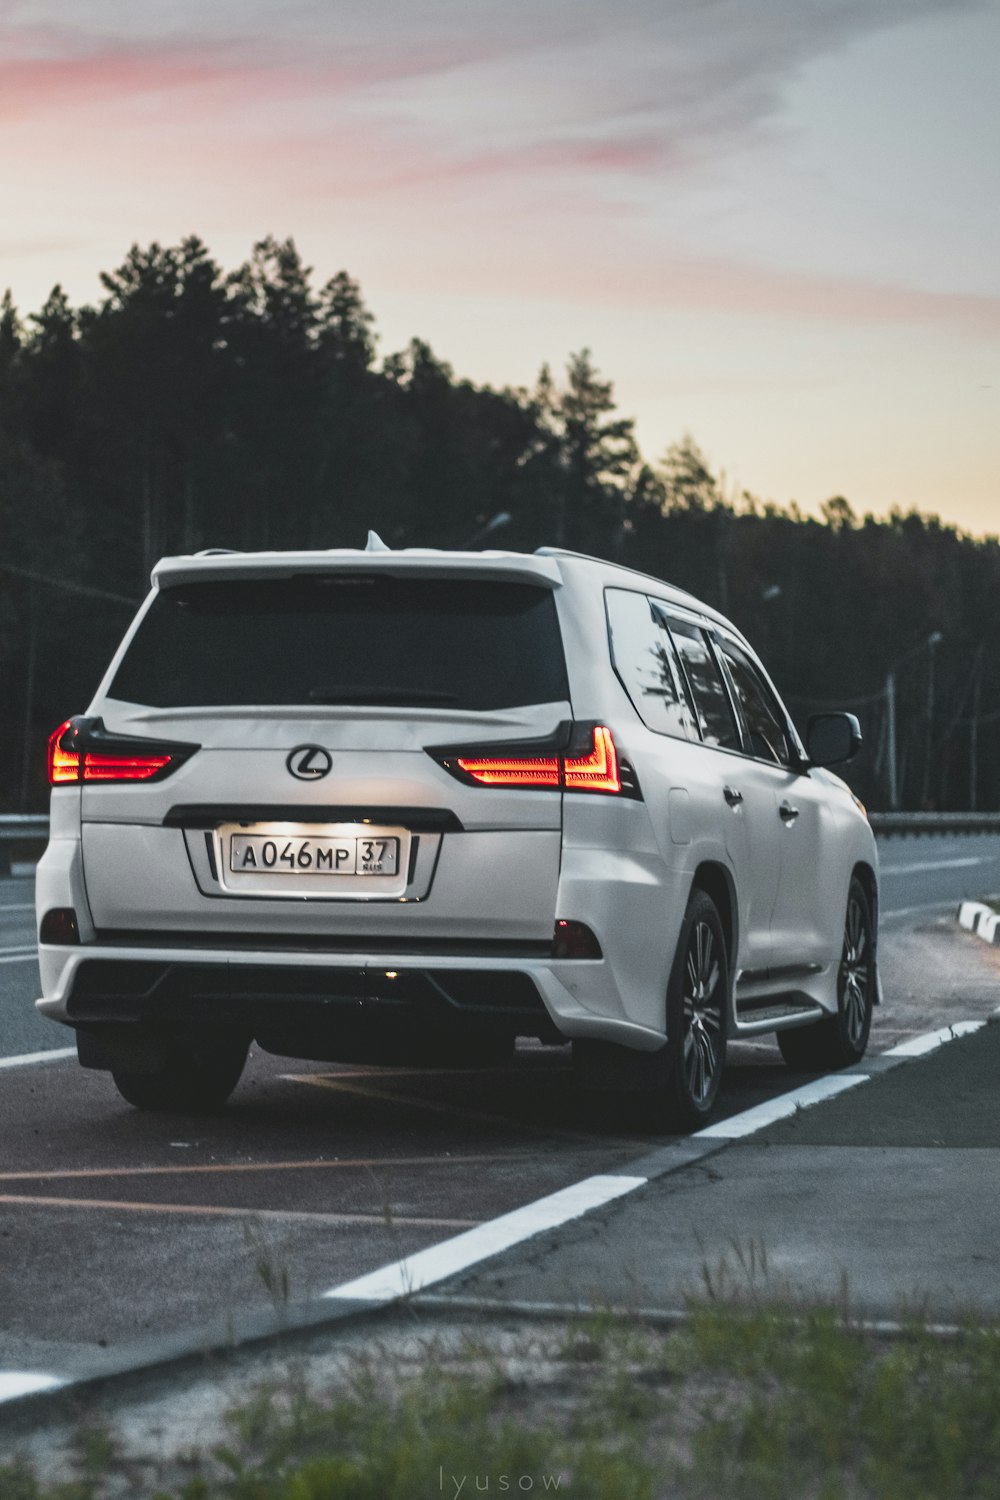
(840, 1040)
(195, 1078)
(690, 1066)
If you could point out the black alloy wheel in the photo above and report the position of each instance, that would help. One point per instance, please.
(840, 1040)
(697, 1010)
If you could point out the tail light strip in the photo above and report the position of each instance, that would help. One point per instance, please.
(82, 750)
(589, 762)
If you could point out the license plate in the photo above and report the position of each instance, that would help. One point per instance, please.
(270, 854)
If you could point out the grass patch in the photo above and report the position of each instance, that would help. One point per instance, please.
(750, 1402)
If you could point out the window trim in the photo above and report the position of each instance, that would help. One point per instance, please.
(797, 762)
(685, 617)
(655, 611)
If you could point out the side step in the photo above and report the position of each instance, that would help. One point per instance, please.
(775, 1015)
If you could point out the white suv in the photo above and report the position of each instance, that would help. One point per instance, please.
(379, 804)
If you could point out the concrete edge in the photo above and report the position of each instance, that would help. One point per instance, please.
(653, 1317)
(142, 1364)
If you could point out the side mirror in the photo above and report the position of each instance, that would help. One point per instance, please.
(832, 739)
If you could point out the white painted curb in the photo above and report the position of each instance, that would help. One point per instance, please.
(980, 919)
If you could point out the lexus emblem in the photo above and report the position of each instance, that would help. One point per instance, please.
(309, 762)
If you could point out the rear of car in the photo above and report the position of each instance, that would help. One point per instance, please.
(318, 801)
(411, 805)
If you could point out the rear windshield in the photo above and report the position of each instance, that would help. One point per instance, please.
(346, 640)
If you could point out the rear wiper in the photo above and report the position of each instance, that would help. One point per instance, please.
(386, 695)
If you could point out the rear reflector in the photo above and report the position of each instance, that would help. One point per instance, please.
(81, 749)
(575, 940)
(596, 771)
(59, 926)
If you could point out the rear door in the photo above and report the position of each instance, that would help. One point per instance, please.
(311, 805)
(801, 920)
(744, 801)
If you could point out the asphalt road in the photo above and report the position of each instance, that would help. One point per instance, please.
(115, 1225)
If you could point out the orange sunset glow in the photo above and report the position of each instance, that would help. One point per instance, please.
(775, 225)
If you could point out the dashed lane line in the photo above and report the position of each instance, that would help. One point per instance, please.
(25, 1059)
(461, 1253)
(414, 1272)
(919, 1046)
(752, 1120)
(920, 867)
(27, 1383)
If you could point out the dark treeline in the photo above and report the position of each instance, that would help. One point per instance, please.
(193, 408)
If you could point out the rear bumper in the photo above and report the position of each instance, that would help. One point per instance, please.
(312, 998)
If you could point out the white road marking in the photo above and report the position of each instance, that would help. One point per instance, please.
(752, 1120)
(428, 1266)
(19, 958)
(414, 1272)
(53, 1055)
(934, 864)
(919, 1046)
(15, 1383)
(17, 906)
(913, 911)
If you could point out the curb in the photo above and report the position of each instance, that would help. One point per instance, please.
(982, 920)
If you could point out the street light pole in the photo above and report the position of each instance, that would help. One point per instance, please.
(932, 641)
(890, 714)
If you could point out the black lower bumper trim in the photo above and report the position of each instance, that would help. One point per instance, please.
(263, 997)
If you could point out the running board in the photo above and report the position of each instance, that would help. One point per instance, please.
(780, 1016)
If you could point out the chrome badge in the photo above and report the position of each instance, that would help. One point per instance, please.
(309, 762)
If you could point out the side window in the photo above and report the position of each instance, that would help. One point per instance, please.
(718, 726)
(646, 664)
(765, 723)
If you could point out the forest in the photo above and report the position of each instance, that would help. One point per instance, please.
(193, 407)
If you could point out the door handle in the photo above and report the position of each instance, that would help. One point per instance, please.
(732, 796)
(788, 812)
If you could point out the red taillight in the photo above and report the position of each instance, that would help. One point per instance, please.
(122, 767)
(82, 750)
(595, 772)
(64, 765)
(598, 771)
(512, 771)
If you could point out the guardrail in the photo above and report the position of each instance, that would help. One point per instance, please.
(23, 827)
(935, 822)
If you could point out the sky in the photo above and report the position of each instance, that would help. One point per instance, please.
(775, 223)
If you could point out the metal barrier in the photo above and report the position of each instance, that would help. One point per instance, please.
(889, 823)
(25, 828)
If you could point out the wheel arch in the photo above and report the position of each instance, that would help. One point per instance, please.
(717, 882)
(865, 875)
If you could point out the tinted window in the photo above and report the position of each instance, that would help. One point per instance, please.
(764, 721)
(711, 700)
(339, 639)
(644, 658)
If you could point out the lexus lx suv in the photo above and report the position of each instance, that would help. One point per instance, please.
(415, 804)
